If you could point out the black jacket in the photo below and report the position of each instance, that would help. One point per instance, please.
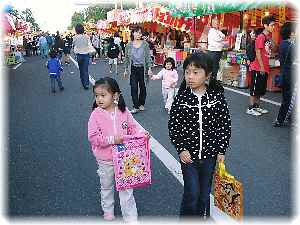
(205, 127)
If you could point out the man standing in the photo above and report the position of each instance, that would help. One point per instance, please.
(260, 67)
(43, 46)
(215, 39)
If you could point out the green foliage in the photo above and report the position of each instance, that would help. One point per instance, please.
(78, 17)
(95, 13)
(27, 16)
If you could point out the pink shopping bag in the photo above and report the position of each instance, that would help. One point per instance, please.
(132, 163)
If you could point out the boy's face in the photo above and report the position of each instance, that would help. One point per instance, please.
(195, 77)
(270, 27)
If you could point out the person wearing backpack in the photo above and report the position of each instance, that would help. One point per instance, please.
(260, 67)
(112, 53)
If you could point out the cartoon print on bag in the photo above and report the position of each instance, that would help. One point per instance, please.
(124, 125)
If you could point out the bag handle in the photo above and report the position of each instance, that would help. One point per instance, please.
(221, 170)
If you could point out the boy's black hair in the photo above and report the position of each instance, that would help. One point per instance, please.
(52, 54)
(170, 60)
(79, 29)
(204, 61)
(286, 30)
(111, 40)
(267, 20)
(112, 87)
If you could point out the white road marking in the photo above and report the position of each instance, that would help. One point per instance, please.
(243, 93)
(15, 67)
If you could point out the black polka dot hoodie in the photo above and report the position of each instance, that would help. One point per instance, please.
(200, 124)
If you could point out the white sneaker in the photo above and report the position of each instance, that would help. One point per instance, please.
(141, 108)
(260, 110)
(134, 110)
(253, 112)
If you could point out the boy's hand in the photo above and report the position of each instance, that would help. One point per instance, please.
(150, 72)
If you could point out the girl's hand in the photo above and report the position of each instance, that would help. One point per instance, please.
(220, 158)
(185, 157)
(147, 135)
(118, 139)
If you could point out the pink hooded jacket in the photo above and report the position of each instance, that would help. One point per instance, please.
(104, 125)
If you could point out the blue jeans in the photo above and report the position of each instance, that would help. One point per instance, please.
(44, 51)
(59, 83)
(197, 177)
(83, 64)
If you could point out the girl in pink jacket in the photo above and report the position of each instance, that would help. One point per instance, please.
(169, 78)
(110, 123)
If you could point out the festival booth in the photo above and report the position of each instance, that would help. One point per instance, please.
(164, 21)
(152, 19)
(237, 19)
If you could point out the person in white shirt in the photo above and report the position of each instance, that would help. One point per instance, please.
(215, 40)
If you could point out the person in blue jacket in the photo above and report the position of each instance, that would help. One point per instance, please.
(54, 69)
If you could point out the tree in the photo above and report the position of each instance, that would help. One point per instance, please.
(78, 17)
(95, 13)
(28, 17)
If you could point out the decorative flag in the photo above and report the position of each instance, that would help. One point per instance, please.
(281, 15)
(222, 19)
(253, 17)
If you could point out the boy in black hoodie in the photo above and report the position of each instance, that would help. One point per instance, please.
(113, 54)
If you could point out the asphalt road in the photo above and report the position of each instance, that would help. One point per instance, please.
(51, 171)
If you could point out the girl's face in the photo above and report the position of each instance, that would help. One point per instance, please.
(104, 99)
(195, 77)
(137, 35)
(168, 66)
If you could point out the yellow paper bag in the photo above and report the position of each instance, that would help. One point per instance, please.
(228, 193)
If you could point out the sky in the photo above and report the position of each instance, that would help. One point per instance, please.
(51, 15)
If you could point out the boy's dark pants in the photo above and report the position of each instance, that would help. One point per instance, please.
(137, 81)
(197, 177)
(52, 83)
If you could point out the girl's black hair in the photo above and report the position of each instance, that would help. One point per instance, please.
(204, 61)
(112, 87)
(169, 60)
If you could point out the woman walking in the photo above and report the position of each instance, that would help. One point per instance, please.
(138, 63)
(82, 47)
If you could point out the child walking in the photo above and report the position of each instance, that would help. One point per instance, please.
(109, 123)
(169, 78)
(113, 54)
(54, 68)
(200, 129)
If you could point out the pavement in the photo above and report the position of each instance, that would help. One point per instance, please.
(51, 171)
